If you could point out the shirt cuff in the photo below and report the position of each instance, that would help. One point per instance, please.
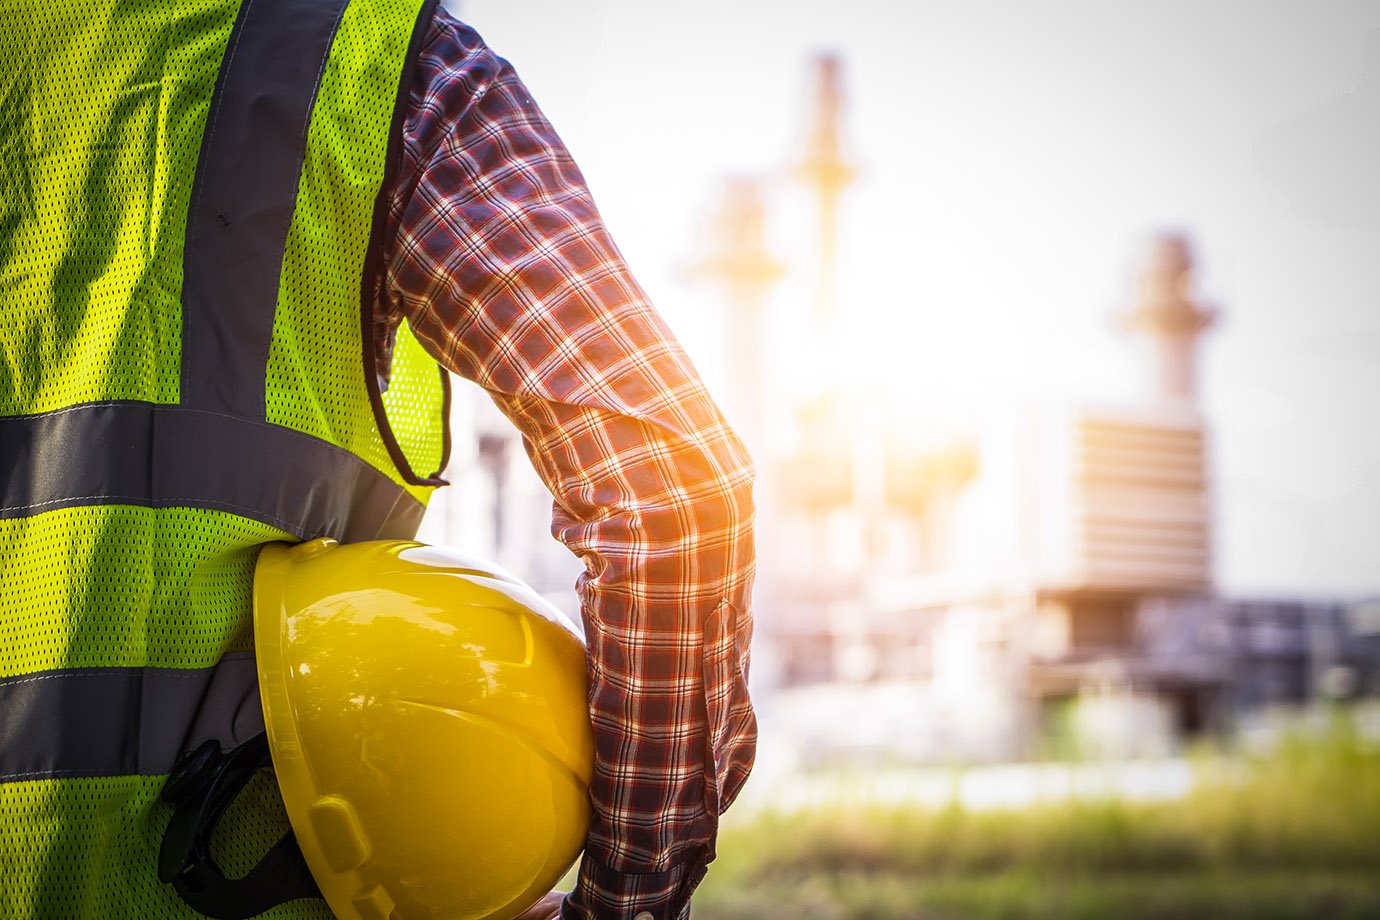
(603, 894)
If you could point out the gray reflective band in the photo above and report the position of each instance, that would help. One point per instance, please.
(122, 721)
(244, 195)
(133, 453)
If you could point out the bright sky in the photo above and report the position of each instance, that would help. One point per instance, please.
(1014, 158)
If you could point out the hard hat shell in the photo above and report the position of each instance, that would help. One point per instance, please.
(427, 719)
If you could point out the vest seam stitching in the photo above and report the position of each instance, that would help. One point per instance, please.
(92, 672)
(171, 501)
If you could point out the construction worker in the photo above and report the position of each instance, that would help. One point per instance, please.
(236, 239)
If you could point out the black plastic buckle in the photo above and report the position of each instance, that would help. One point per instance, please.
(201, 787)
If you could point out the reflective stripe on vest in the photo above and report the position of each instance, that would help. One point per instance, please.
(101, 454)
(45, 712)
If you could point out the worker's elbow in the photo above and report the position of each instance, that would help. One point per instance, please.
(727, 511)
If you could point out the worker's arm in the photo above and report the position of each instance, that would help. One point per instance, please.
(504, 270)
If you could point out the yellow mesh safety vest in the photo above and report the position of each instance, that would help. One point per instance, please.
(190, 214)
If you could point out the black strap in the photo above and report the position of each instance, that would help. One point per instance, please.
(201, 787)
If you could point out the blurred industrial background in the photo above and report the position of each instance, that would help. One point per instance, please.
(1054, 331)
(1012, 573)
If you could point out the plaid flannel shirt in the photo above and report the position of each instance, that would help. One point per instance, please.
(499, 261)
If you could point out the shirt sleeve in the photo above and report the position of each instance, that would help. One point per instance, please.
(499, 261)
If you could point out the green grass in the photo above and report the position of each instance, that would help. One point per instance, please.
(1294, 835)
(1036, 896)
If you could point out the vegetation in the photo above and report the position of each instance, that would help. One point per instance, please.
(1295, 834)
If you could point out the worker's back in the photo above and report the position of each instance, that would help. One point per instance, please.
(188, 255)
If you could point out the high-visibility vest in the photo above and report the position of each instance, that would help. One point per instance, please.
(191, 211)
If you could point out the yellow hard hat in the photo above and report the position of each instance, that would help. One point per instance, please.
(427, 720)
